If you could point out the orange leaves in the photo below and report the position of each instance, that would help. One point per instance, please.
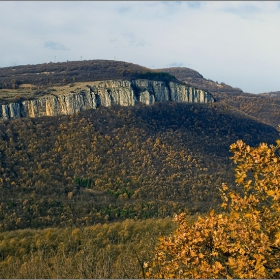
(189, 249)
(258, 171)
(277, 240)
(270, 193)
(241, 243)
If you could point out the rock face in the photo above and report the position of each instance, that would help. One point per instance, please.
(105, 93)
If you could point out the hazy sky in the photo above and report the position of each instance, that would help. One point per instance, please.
(237, 43)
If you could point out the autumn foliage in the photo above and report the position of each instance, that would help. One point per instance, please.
(242, 241)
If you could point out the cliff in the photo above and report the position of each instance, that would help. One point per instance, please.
(104, 93)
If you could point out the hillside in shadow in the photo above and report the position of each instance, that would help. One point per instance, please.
(115, 163)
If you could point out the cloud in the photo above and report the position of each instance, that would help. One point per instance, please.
(133, 40)
(55, 46)
(194, 4)
(235, 42)
(176, 64)
(125, 9)
(245, 9)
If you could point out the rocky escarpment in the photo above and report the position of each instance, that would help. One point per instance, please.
(104, 93)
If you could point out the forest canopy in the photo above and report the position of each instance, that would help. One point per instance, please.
(110, 164)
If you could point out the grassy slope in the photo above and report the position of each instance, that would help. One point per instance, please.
(113, 251)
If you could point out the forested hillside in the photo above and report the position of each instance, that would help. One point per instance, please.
(87, 195)
(115, 163)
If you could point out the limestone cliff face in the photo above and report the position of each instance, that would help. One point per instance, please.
(105, 93)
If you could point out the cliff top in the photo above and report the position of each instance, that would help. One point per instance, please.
(29, 91)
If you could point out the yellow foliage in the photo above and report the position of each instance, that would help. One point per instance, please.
(240, 243)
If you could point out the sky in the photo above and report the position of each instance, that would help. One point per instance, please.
(234, 42)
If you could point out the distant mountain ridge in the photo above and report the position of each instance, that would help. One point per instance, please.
(265, 106)
(196, 79)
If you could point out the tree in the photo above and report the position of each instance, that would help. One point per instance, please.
(242, 241)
